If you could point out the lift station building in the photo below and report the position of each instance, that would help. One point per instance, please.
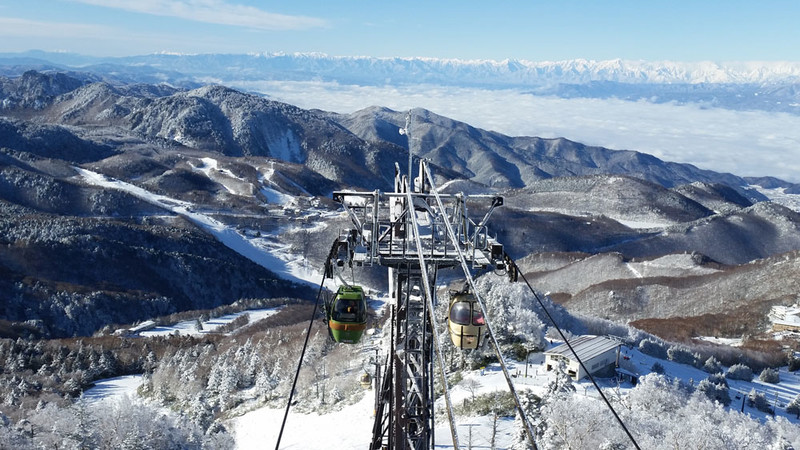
(597, 353)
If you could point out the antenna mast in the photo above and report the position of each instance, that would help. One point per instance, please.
(404, 131)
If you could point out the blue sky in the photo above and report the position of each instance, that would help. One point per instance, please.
(679, 30)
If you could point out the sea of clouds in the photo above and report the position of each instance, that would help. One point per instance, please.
(745, 143)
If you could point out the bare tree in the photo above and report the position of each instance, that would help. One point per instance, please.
(473, 386)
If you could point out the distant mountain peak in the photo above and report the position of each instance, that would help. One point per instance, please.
(506, 72)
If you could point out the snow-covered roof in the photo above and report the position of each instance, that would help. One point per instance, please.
(586, 347)
(627, 372)
(792, 321)
(785, 315)
(146, 325)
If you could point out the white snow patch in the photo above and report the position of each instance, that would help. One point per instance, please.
(733, 342)
(271, 257)
(285, 147)
(270, 189)
(345, 429)
(269, 173)
(779, 196)
(640, 224)
(278, 198)
(113, 388)
(633, 270)
(669, 265)
(232, 183)
(189, 327)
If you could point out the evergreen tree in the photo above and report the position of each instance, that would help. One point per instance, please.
(793, 362)
(84, 434)
(759, 401)
(681, 354)
(530, 405)
(559, 385)
(769, 375)
(739, 372)
(657, 368)
(653, 347)
(794, 406)
(150, 362)
(714, 391)
(712, 365)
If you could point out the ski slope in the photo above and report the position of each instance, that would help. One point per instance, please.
(261, 251)
(350, 427)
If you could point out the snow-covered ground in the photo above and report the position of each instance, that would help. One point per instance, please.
(348, 428)
(273, 195)
(779, 195)
(189, 327)
(681, 264)
(113, 388)
(351, 426)
(638, 224)
(733, 342)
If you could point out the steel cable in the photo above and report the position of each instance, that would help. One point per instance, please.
(305, 344)
(561, 333)
(471, 282)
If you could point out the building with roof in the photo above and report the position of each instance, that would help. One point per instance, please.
(785, 318)
(597, 353)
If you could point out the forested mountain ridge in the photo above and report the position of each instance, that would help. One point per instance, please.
(238, 124)
(230, 152)
(497, 160)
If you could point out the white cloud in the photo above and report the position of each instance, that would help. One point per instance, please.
(13, 27)
(745, 143)
(213, 11)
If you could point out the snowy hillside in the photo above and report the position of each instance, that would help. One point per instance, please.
(665, 393)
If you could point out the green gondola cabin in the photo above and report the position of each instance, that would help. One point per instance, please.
(347, 315)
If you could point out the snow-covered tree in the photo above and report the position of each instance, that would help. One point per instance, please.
(578, 422)
(530, 405)
(759, 401)
(472, 386)
(769, 375)
(794, 406)
(84, 433)
(559, 384)
(712, 365)
(681, 354)
(513, 311)
(718, 378)
(739, 372)
(653, 347)
(657, 368)
(793, 362)
(150, 362)
(655, 395)
(714, 391)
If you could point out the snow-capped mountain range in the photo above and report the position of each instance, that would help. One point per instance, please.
(507, 72)
(753, 85)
